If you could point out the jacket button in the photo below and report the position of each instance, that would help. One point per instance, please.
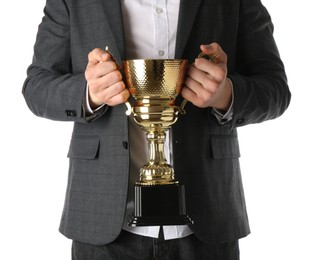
(71, 113)
(125, 145)
(240, 121)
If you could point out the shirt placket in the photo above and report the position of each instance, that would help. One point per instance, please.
(161, 46)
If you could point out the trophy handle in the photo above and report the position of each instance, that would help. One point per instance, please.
(183, 104)
(129, 108)
(206, 56)
(127, 103)
(130, 104)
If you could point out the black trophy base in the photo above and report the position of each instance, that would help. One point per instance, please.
(159, 205)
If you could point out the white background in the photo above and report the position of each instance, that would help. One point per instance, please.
(33, 164)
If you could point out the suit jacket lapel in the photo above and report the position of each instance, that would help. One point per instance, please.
(113, 12)
(187, 14)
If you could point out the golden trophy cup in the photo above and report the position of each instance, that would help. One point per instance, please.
(154, 86)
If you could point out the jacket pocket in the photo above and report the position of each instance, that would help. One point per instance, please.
(84, 147)
(225, 147)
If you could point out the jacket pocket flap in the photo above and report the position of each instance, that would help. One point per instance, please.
(225, 147)
(84, 147)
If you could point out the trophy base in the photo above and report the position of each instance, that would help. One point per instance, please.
(159, 205)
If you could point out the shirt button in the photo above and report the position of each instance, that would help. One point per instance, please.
(159, 10)
(161, 53)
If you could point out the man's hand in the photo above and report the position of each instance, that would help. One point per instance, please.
(105, 84)
(206, 84)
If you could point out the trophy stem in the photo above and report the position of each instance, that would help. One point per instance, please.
(156, 171)
(156, 144)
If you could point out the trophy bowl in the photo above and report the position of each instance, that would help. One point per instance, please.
(154, 86)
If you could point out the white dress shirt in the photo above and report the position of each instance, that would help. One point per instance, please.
(150, 28)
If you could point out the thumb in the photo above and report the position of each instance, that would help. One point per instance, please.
(214, 51)
(98, 55)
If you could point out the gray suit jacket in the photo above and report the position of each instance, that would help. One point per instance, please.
(205, 153)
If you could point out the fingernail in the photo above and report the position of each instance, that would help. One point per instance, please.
(104, 55)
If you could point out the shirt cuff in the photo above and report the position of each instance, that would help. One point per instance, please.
(224, 118)
(88, 109)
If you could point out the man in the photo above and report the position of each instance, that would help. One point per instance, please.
(73, 78)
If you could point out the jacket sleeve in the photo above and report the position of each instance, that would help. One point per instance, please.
(52, 90)
(260, 84)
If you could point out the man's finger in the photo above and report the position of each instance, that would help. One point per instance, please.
(120, 98)
(98, 55)
(215, 52)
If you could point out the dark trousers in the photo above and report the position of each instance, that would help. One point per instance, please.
(129, 246)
